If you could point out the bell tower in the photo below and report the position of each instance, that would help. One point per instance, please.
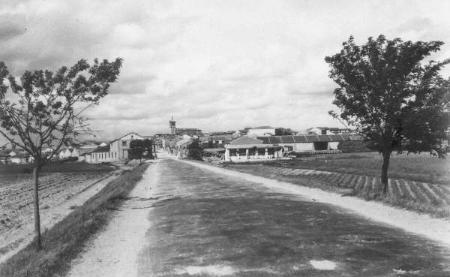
(173, 128)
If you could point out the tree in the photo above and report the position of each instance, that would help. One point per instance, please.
(140, 149)
(42, 110)
(394, 99)
(283, 132)
(195, 152)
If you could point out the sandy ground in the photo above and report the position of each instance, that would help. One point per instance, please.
(113, 252)
(420, 224)
(17, 238)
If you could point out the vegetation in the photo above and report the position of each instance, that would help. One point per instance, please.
(394, 100)
(55, 166)
(418, 182)
(43, 111)
(65, 240)
(140, 149)
(195, 151)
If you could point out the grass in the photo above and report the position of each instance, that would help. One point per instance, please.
(66, 239)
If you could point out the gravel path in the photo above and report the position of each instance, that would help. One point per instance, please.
(114, 251)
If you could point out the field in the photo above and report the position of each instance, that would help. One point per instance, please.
(66, 239)
(417, 182)
(58, 184)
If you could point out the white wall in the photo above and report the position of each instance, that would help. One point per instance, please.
(261, 132)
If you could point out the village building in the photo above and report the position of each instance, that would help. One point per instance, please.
(68, 152)
(327, 131)
(261, 131)
(310, 143)
(116, 150)
(19, 157)
(182, 147)
(246, 149)
(183, 131)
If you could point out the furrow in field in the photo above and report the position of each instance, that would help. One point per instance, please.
(436, 198)
(421, 196)
(407, 190)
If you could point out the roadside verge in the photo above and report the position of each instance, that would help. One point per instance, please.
(432, 228)
(65, 239)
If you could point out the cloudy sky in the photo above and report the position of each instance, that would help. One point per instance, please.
(214, 65)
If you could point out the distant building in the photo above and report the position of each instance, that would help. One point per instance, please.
(189, 132)
(19, 157)
(309, 143)
(68, 152)
(116, 150)
(247, 149)
(183, 131)
(261, 131)
(327, 131)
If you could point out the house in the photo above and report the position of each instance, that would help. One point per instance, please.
(68, 152)
(327, 131)
(181, 147)
(116, 150)
(309, 143)
(19, 157)
(261, 131)
(246, 149)
(4, 156)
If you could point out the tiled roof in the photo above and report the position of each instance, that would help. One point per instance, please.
(101, 149)
(246, 140)
(308, 138)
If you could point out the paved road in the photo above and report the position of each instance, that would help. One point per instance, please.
(204, 224)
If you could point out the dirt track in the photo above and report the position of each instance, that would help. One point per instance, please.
(194, 222)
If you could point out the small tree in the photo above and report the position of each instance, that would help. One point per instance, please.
(42, 110)
(140, 149)
(395, 101)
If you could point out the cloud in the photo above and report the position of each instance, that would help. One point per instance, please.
(215, 65)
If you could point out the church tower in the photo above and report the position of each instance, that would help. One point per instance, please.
(173, 128)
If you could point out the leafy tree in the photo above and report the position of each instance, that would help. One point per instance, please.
(140, 149)
(195, 152)
(391, 95)
(283, 132)
(42, 110)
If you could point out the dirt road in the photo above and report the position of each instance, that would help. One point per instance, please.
(185, 221)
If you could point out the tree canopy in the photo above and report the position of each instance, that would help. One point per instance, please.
(391, 94)
(140, 149)
(43, 109)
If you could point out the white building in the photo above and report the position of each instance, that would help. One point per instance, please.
(261, 131)
(309, 143)
(116, 150)
(68, 152)
(247, 149)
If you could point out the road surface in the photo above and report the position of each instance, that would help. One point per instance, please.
(186, 221)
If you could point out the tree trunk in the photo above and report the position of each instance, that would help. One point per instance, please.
(37, 217)
(384, 171)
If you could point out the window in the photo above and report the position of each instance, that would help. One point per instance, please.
(261, 151)
(271, 151)
(124, 143)
(232, 152)
(242, 152)
(251, 151)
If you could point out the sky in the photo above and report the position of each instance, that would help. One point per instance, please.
(213, 65)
